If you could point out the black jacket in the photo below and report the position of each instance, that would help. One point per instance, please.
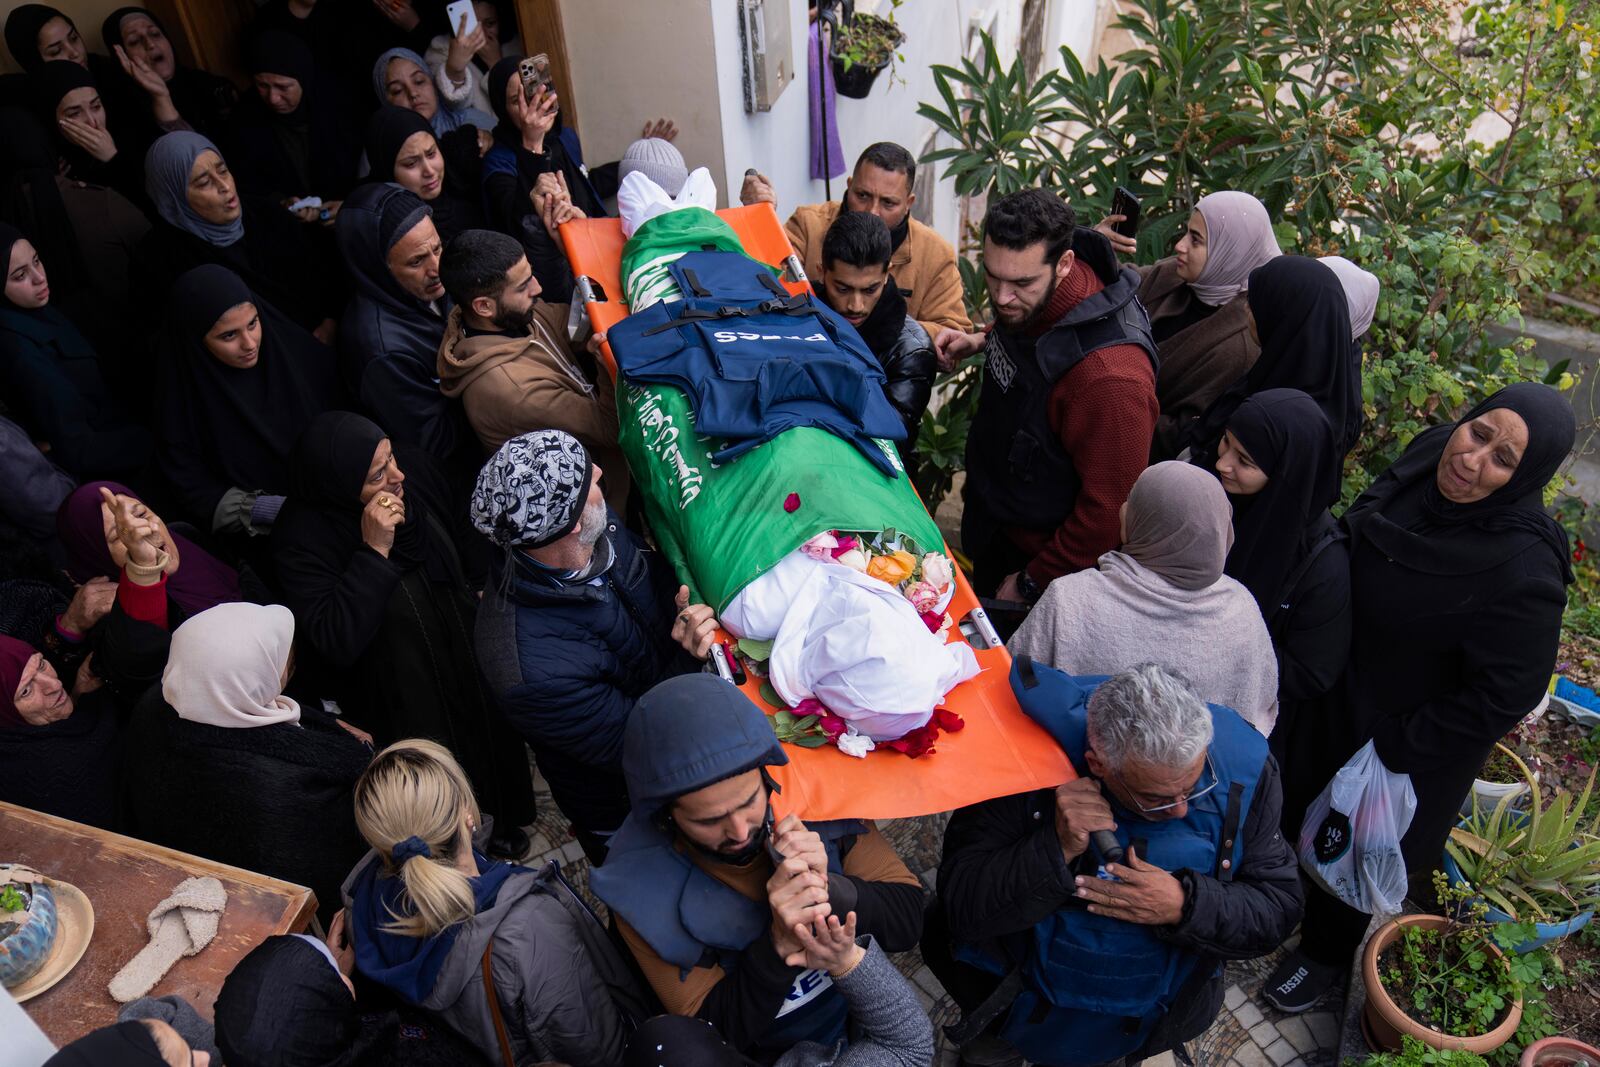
(566, 662)
(1441, 667)
(910, 366)
(274, 799)
(1003, 872)
(52, 377)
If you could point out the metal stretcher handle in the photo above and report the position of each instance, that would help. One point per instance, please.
(589, 291)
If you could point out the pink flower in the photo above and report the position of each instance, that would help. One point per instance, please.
(821, 546)
(846, 543)
(855, 559)
(791, 503)
(809, 706)
(923, 597)
(933, 621)
(936, 570)
(832, 725)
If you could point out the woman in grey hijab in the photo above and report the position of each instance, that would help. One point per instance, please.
(204, 218)
(1163, 598)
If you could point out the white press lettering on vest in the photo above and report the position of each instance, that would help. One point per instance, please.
(999, 366)
(808, 985)
(728, 337)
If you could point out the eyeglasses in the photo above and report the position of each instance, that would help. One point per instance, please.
(1183, 798)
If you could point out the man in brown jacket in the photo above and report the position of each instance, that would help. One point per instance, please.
(505, 354)
(923, 265)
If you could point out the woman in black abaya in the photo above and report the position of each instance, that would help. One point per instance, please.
(1458, 583)
(403, 148)
(1300, 313)
(239, 383)
(368, 565)
(527, 144)
(294, 136)
(92, 143)
(202, 217)
(1287, 548)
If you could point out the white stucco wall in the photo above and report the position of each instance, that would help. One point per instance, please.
(682, 58)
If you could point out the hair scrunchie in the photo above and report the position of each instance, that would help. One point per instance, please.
(411, 846)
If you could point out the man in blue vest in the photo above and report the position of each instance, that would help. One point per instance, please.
(707, 890)
(1067, 957)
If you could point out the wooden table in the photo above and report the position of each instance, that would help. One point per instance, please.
(125, 879)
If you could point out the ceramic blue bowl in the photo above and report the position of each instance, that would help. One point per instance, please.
(28, 946)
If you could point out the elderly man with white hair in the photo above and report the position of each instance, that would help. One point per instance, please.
(1061, 950)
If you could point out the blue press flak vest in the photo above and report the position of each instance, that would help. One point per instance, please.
(1094, 987)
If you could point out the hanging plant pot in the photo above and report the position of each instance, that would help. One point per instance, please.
(862, 48)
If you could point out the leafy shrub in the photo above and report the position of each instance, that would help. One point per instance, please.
(1358, 123)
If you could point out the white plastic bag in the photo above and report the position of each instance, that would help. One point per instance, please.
(1350, 840)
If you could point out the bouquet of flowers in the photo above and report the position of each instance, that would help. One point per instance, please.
(925, 579)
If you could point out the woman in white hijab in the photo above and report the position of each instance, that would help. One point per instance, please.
(1361, 291)
(1162, 598)
(221, 763)
(1197, 309)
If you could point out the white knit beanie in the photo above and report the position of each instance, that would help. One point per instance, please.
(657, 160)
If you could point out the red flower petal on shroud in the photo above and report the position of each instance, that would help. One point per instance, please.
(948, 721)
(791, 503)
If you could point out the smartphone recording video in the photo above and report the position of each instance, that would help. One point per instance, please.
(535, 74)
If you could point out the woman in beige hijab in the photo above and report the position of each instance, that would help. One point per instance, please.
(1198, 314)
(1162, 598)
(221, 763)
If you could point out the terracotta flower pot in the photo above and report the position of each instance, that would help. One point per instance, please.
(1384, 1023)
(1559, 1052)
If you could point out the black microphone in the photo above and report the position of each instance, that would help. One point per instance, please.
(1110, 848)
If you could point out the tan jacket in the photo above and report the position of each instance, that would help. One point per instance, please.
(1198, 363)
(924, 265)
(512, 385)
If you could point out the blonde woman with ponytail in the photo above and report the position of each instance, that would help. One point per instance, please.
(508, 957)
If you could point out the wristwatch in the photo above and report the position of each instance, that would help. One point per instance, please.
(1029, 588)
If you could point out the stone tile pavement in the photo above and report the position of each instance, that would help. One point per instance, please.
(1247, 1033)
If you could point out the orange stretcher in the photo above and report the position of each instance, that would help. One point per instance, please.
(1000, 752)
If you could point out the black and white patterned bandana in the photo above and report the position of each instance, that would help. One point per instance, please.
(532, 491)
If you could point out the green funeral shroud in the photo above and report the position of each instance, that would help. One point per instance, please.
(723, 526)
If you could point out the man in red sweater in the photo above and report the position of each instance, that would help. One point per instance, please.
(1068, 400)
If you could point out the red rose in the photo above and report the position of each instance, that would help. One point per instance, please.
(832, 725)
(948, 721)
(933, 620)
(791, 503)
(918, 742)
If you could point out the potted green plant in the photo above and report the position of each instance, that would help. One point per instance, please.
(27, 923)
(1446, 982)
(1541, 865)
(1414, 1053)
(863, 45)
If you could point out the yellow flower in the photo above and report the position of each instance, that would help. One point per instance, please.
(894, 568)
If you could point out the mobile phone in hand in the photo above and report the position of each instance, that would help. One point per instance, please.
(535, 74)
(1124, 203)
(454, 11)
